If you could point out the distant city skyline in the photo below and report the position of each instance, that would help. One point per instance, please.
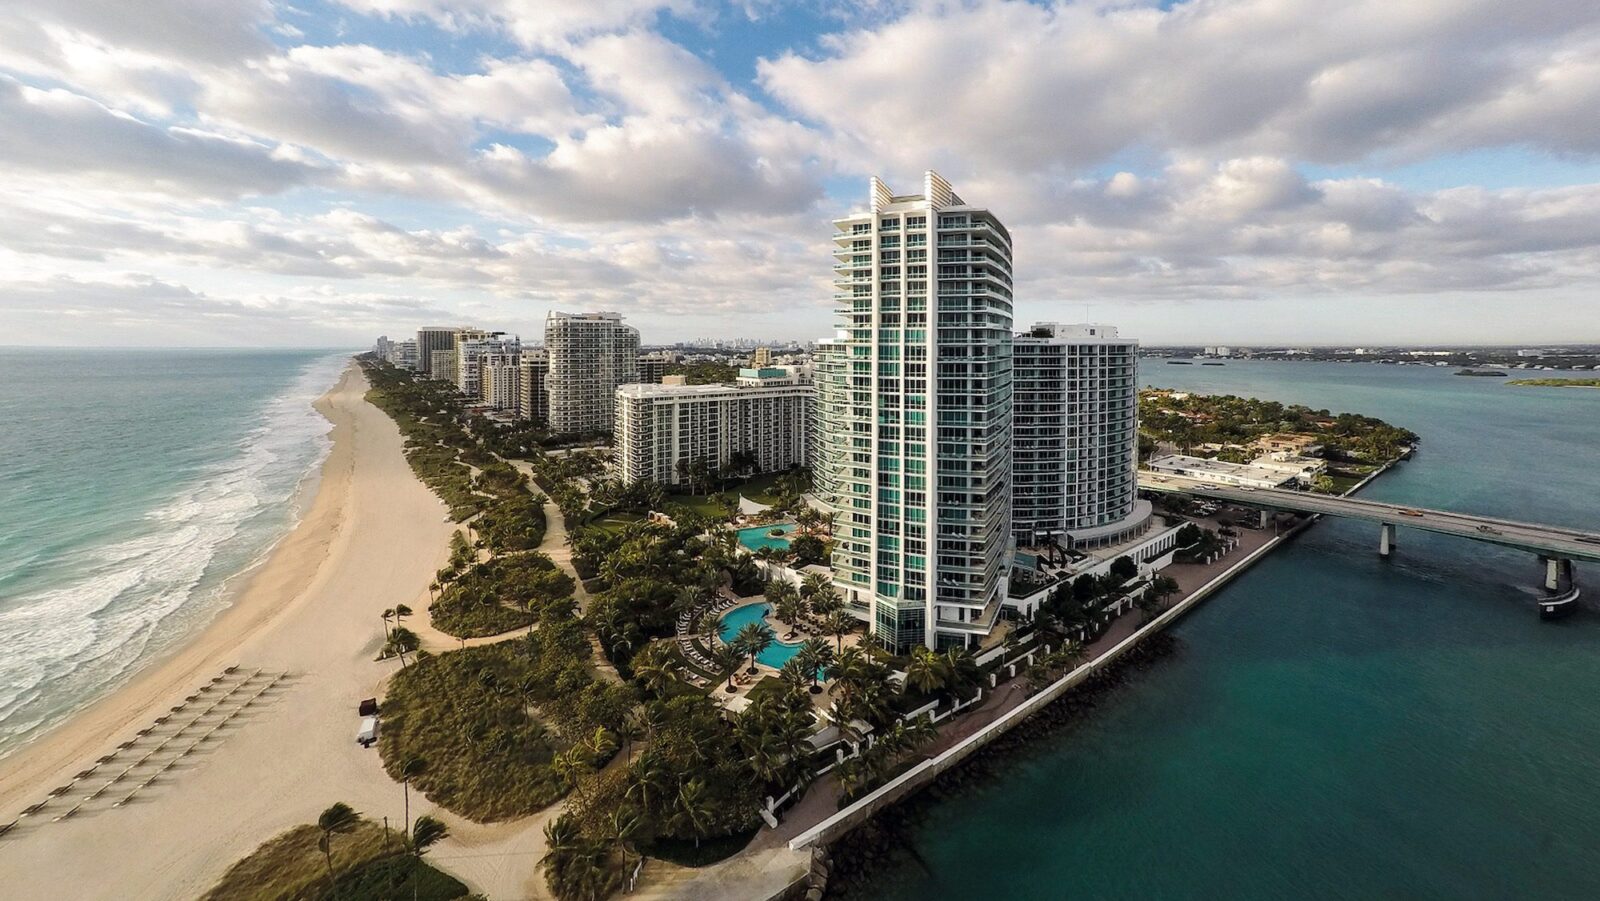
(255, 173)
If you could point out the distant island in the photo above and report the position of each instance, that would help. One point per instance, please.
(1556, 383)
(1482, 373)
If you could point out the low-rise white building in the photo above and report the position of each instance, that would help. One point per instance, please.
(1259, 473)
(659, 429)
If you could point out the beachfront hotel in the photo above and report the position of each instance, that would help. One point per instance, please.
(430, 340)
(914, 416)
(660, 429)
(589, 355)
(1076, 437)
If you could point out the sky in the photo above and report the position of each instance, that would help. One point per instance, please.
(318, 172)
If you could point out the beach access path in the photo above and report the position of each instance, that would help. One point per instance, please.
(373, 536)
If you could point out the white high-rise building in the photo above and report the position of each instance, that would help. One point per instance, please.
(403, 353)
(471, 346)
(590, 354)
(1076, 437)
(500, 380)
(915, 403)
(662, 429)
(430, 339)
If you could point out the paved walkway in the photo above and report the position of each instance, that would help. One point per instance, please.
(821, 800)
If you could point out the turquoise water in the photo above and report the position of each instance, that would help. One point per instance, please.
(758, 537)
(135, 484)
(777, 653)
(1331, 725)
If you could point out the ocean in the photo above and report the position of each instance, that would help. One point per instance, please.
(1331, 725)
(134, 485)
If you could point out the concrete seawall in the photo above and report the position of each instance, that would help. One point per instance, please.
(914, 779)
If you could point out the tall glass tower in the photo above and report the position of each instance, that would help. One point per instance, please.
(914, 403)
(1076, 424)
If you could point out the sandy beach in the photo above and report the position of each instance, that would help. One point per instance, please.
(371, 538)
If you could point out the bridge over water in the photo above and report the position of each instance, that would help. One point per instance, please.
(1556, 546)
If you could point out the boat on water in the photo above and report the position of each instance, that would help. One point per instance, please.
(1180, 363)
(1213, 364)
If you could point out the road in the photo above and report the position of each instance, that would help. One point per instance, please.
(1537, 538)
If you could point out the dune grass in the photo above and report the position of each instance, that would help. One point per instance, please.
(368, 865)
(493, 597)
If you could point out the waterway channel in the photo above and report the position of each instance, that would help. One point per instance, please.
(1332, 725)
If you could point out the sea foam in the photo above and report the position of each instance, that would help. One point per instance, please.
(135, 598)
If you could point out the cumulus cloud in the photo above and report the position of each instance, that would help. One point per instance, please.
(1036, 87)
(1255, 228)
(212, 160)
(58, 131)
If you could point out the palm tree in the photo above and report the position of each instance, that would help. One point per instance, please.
(337, 818)
(655, 667)
(960, 670)
(649, 781)
(401, 611)
(622, 827)
(427, 832)
(411, 769)
(691, 810)
(726, 659)
(789, 607)
(388, 613)
(925, 670)
(755, 639)
(839, 624)
(795, 672)
(816, 655)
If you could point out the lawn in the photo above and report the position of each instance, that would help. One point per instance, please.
(616, 522)
(758, 489)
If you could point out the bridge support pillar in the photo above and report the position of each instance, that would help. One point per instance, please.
(1386, 539)
(1266, 518)
(1552, 572)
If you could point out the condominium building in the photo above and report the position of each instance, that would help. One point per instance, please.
(500, 380)
(1075, 437)
(660, 430)
(590, 354)
(431, 339)
(442, 365)
(534, 400)
(403, 353)
(916, 402)
(471, 346)
(653, 366)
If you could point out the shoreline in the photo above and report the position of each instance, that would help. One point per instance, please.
(370, 537)
(240, 614)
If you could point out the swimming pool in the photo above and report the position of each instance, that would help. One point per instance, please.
(778, 653)
(757, 537)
